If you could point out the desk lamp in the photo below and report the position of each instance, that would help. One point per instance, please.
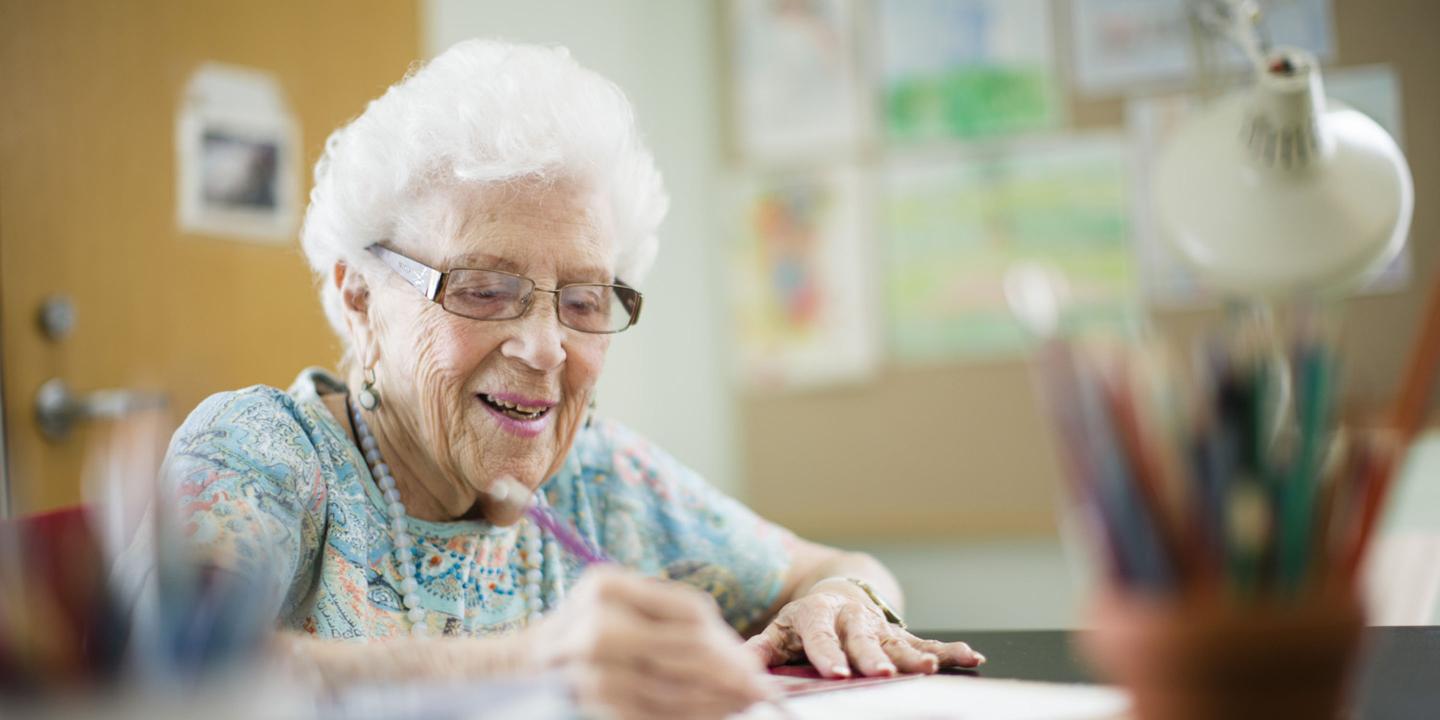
(1276, 190)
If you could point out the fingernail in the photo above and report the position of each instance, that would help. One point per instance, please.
(841, 670)
(979, 659)
(887, 668)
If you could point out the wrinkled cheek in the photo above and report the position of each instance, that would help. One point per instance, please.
(583, 364)
(439, 369)
(582, 370)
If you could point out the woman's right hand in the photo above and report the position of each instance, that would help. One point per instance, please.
(636, 647)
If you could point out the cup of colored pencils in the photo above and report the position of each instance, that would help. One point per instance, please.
(1231, 512)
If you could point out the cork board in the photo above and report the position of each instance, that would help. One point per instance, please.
(962, 451)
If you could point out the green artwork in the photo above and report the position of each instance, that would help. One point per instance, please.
(966, 68)
(957, 230)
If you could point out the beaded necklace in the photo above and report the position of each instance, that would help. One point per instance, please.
(535, 549)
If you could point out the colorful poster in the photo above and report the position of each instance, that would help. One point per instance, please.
(797, 87)
(958, 229)
(1165, 279)
(803, 283)
(1122, 46)
(966, 68)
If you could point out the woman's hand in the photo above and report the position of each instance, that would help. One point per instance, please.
(836, 627)
(642, 648)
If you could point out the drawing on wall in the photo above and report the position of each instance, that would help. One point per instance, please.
(966, 68)
(796, 88)
(802, 285)
(237, 147)
(1122, 45)
(958, 229)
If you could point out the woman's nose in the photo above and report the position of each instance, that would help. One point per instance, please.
(537, 337)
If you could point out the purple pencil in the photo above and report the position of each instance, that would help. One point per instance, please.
(568, 538)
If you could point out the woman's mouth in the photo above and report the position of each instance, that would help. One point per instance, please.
(522, 416)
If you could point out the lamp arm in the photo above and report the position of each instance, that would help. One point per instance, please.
(1237, 20)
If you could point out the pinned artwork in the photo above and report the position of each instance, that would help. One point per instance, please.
(802, 286)
(963, 69)
(237, 145)
(1123, 45)
(796, 89)
(958, 229)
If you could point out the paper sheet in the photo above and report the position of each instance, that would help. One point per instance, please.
(957, 229)
(238, 154)
(1124, 44)
(949, 697)
(797, 89)
(801, 285)
(966, 68)
(804, 680)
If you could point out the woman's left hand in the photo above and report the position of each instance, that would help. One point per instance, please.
(836, 627)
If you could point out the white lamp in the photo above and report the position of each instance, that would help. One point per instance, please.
(1277, 190)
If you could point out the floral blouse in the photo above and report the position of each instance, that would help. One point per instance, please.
(271, 485)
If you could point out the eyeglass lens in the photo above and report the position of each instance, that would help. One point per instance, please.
(488, 295)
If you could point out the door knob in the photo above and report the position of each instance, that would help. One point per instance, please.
(56, 317)
(57, 409)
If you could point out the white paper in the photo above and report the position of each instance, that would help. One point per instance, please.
(959, 228)
(796, 89)
(802, 280)
(238, 152)
(1125, 45)
(964, 69)
(949, 697)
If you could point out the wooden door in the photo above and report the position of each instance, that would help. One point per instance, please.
(88, 98)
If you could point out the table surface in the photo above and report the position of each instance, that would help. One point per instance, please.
(1400, 674)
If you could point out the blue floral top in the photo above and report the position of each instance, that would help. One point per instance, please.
(271, 485)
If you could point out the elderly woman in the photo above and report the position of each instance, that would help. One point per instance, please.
(477, 232)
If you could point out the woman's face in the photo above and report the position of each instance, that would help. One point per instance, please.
(445, 379)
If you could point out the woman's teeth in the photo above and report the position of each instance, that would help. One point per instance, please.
(519, 412)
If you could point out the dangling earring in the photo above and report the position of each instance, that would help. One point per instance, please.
(590, 414)
(369, 398)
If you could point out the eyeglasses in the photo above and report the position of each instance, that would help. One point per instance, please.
(495, 295)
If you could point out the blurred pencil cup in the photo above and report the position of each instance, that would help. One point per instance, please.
(1231, 512)
(107, 599)
(1213, 658)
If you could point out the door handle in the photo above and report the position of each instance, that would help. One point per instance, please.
(58, 409)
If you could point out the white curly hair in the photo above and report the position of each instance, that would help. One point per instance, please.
(484, 111)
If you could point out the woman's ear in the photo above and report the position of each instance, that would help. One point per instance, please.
(354, 292)
(355, 297)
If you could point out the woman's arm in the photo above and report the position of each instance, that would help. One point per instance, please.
(338, 663)
(628, 645)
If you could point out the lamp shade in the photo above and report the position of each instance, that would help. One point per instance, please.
(1275, 190)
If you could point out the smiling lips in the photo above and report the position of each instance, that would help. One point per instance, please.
(521, 415)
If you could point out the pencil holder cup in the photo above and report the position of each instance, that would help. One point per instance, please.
(1193, 658)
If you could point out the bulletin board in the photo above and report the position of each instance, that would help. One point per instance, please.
(960, 449)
